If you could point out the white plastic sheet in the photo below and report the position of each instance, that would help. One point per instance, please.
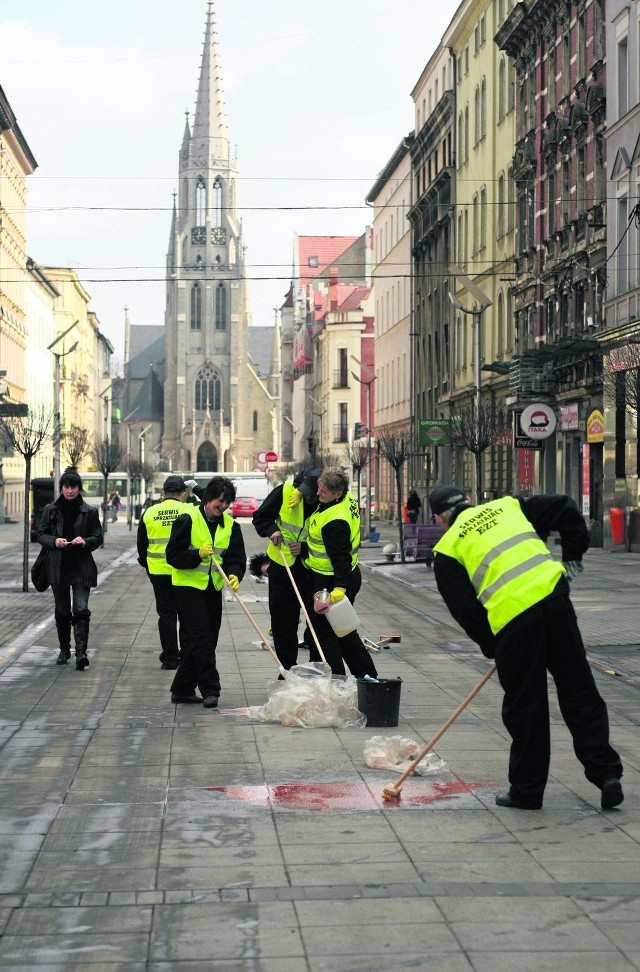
(397, 752)
(311, 697)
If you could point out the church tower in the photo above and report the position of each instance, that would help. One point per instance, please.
(206, 428)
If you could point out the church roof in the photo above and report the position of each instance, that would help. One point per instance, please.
(315, 253)
(149, 402)
(146, 347)
(210, 121)
(260, 345)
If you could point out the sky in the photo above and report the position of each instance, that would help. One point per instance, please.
(318, 96)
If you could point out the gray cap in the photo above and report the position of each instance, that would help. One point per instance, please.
(444, 498)
(174, 484)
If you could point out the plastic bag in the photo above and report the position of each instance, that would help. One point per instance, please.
(311, 697)
(397, 752)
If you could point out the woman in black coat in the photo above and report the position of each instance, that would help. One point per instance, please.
(70, 530)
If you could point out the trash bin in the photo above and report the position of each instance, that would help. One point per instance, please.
(616, 518)
(380, 701)
(634, 530)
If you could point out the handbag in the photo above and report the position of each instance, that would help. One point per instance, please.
(40, 571)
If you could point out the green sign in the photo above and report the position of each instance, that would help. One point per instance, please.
(434, 432)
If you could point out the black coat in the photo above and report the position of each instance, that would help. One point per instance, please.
(87, 526)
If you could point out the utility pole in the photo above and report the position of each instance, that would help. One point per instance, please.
(57, 429)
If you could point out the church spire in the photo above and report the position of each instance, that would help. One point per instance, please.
(210, 122)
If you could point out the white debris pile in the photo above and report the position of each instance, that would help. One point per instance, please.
(311, 697)
(397, 752)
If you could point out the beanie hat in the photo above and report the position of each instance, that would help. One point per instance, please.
(444, 498)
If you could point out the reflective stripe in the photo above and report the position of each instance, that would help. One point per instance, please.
(481, 572)
(511, 574)
(294, 528)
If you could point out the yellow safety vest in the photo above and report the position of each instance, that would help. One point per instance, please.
(158, 519)
(508, 564)
(200, 533)
(290, 523)
(318, 558)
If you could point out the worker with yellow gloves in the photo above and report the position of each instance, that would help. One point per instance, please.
(281, 518)
(331, 557)
(201, 538)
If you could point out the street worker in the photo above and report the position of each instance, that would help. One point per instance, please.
(281, 517)
(70, 531)
(154, 531)
(202, 537)
(331, 557)
(502, 585)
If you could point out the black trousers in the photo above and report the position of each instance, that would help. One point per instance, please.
(200, 617)
(545, 638)
(284, 609)
(349, 649)
(168, 617)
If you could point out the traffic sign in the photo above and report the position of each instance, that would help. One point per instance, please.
(261, 457)
(271, 457)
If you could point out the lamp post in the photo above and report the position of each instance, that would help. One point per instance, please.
(141, 436)
(367, 383)
(57, 426)
(319, 415)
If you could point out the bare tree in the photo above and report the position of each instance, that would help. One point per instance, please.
(27, 434)
(477, 431)
(621, 378)
(395, 447)
(107, 456)
(357, 458)
(76, 444)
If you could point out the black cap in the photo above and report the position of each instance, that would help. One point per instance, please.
(174, 484)
(71, 478)
(445, 498)
(306, 482)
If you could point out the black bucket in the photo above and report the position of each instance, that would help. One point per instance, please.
(380, 701)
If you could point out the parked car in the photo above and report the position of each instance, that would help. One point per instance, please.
(244, 506)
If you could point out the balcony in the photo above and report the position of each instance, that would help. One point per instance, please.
(340, 379)
(530, 377)
(340, 433)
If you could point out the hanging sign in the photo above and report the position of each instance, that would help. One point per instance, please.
(538, 421)
(595, 426)
(569, 417)
(434, 432)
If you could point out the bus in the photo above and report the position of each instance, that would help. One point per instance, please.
(43, 491)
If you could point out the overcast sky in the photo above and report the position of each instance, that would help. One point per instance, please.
(318, 96)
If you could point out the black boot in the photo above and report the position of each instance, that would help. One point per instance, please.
(64, 640)
(81, 634)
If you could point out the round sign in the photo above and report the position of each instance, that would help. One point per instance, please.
(261, 457)
(271, 457)
(538, 421)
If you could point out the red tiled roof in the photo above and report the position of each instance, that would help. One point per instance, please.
(325, 248)
(353, 300)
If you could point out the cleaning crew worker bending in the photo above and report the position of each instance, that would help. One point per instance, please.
(281, 517)
(201, 538)
(502, 585)
(332, 558)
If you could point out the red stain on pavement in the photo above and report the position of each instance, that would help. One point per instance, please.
(323, 797)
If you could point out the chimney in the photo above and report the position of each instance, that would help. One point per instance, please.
(333, 288)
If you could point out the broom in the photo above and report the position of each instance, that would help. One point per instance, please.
(392, 792)
(262, 638)
(302, 605)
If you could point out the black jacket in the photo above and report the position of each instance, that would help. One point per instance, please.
(546, 513)
(87, 526)
(264, 518)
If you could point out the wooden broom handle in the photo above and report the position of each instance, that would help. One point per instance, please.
(246, 611)
(302, 605)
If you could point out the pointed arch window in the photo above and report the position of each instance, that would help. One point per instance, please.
(201, 203)
(217, 202)
(196, 307)
(221, 308)
(207, 389)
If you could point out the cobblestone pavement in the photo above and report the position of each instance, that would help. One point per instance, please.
(140, 835)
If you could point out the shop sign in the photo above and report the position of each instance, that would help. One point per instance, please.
(538, 421)
(595, 426)
(586, 483)
(569, 417)
(434, 432)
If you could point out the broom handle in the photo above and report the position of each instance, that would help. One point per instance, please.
(302, 605)
(246, 611)
(452, 718)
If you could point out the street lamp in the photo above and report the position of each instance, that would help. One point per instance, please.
(367, 383)
(319, 415)
(57, 423)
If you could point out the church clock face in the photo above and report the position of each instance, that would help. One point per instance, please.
(198, 235)
(219, 235)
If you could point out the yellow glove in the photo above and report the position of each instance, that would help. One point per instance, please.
(294, 499)
(234, 583)
(337, 594)
(205, 550)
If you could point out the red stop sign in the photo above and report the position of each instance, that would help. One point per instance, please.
(271, 457)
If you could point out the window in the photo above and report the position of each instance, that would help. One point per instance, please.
(581, 201)
(466, 132)
(254, 421)
(483, 217)
(565, 201)
(551, 201)
(581, 43)
(511, 209)
(551, 79)
(201, 203)
(501, 222)
(196, 307)
(566, 63)
(217, 203)
(623, 78)
(207, 390)
(476, 224)
(500, 324)
(502, 93)
(313, 261)
(221, 308)
(483, 107)
(477, 131)
(622, 276)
